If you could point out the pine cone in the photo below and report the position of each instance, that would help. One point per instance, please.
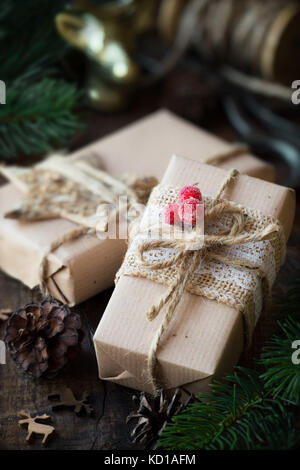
(153, 414)
(42, 337)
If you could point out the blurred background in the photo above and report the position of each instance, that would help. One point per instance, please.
(76, 70)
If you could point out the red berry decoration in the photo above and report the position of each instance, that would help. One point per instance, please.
(190, 192)
(190, 211)
(171, 214)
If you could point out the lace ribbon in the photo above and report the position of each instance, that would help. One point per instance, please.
(239, 242)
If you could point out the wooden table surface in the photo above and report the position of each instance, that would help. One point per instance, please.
(106, 429)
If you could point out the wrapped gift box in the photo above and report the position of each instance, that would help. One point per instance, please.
(85, 267)
(205, 338)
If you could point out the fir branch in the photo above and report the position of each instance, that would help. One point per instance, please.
(36, 119)
(249, 411)
(40, 105)
(238, 414)
(30, 47)
(281, 376)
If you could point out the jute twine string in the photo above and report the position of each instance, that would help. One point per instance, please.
(76, 233)
(191, 252)
(236, 150)
(136, 190)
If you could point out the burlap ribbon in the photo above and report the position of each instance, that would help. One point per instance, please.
(137, 189)
(91, 186)
(73, 190)
(195, 249)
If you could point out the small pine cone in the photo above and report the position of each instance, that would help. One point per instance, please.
(153, 414)
(42, 337)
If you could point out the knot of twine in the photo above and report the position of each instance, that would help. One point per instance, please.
(43, 201)
(137, 189)
(193, 250)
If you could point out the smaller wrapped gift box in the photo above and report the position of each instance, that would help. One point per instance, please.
(82, 268)
(205, 337)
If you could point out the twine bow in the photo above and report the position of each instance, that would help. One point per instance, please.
(191, 251)
(73, 190)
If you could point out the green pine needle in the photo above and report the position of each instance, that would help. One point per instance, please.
(39, 113)
(36, 119)
(282, 376)
(29, 44)
(236, 415)
(249, 411)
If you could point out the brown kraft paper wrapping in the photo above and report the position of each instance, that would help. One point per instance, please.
(205, 338)
(85, 267)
